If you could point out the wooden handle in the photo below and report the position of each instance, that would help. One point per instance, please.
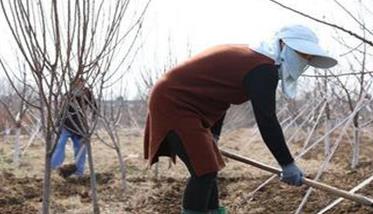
(317, 185)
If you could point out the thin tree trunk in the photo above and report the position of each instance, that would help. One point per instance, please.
(47, 174)
(122, 168)
(17, 147)
(156, 170)
(32, 138)
(7, 132)
(327, 119)
(96, 208)
(355, 148)
(327, 139)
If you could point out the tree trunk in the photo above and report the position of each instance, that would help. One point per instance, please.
(122, 168)
(17, 147)
(96, 208)
(156, 170)
(327, 139)
(32, 138)
(327, 145)
(47, 174)
(355, 148)
(7, 133)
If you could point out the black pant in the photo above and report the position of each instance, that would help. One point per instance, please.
(201, 192)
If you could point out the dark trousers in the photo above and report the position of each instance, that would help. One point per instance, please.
(201, 192)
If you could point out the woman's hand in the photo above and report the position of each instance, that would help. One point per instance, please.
(292, 175)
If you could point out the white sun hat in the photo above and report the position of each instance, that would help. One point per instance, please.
(300, 39)
(304, 40)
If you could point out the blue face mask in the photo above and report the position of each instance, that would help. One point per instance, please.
(291, 67)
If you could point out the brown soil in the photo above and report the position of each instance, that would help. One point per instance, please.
(21, 189)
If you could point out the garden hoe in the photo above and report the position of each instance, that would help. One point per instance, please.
(311, 183)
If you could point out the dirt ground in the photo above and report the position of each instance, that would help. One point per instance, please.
(20, 189)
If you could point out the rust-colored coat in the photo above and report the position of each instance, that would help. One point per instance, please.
(191, 97)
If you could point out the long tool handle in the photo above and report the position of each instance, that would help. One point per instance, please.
(317, 185)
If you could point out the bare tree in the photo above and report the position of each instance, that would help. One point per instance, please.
(111, 111)
(17, 109)
(60, 41)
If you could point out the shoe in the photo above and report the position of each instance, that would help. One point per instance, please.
(184, 211)
(66, 170)
(78, 174)
(220, 210)
(74, 177)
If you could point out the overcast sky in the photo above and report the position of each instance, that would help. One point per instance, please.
(208, 22)
(175, 25)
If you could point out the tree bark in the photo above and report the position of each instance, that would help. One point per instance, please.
(122, 169)
(17, 148)
(96, 208)
(355, 148)
(327, 139)
(47, 174)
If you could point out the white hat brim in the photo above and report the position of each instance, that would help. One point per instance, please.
(320, 58)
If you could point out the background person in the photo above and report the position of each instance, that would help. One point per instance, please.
(79, 100)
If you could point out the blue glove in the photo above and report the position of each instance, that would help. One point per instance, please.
(292, 175)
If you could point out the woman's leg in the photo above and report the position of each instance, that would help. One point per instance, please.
(214, 198)
(200, 190)
(59, 153)
(81, 151)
